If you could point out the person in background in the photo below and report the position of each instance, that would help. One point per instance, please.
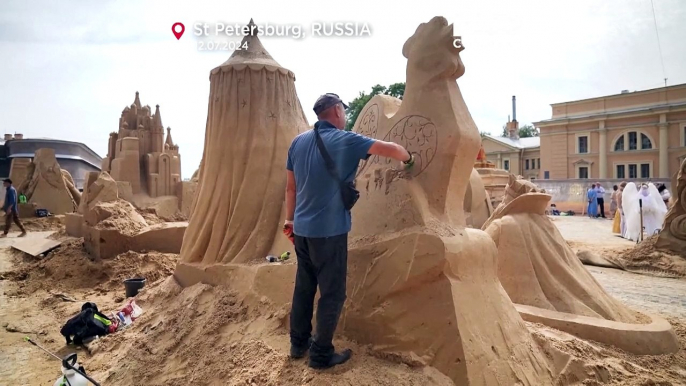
(554, 210)
(619, 223)
(592, 196)
(613, 201)
(11, 208)
(664, 193)
(601, 199)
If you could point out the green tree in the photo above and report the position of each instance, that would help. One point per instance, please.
(525, 131)
(484, 133)
(355, 107)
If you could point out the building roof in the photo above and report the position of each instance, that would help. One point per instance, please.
(521, 143)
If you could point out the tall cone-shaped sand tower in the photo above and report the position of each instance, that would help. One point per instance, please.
(254, 113)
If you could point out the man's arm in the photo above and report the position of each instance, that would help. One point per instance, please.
(390, 150)
(290, 195)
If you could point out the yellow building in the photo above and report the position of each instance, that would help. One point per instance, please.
(519, 156)
(630, 135)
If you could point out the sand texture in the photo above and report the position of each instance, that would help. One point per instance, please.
(477, 203)
(672, 237)
(423, 285)
(538, 268)
(46, 187)
(254, 114)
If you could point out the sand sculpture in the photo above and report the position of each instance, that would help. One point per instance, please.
(146, 164)
(477, 203)
(254, 114)
(672, 237)
(540, 271)
(139, 154)
(420, 284)
(110, 226)
(47, 186)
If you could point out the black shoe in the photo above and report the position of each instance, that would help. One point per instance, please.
(336, 359)
(299, 352)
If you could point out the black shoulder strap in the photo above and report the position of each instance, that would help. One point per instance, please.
(330, 166)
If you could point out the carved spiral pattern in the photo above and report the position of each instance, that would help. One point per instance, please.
(418, 135)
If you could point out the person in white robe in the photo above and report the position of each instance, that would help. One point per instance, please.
(648, 202)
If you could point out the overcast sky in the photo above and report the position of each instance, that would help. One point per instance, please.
(68, 68)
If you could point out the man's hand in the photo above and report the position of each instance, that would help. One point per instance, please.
(407, 165)
(288, 230)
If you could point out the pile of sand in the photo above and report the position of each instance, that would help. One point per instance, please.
(68, 268)
(117, 215)
(646, 257)
(210, 336)
(591, 363)
(41, 224)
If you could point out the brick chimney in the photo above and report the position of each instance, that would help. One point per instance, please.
(18, 136)
(8, 137)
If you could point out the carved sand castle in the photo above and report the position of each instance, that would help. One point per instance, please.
(546, 280)
(140, 155)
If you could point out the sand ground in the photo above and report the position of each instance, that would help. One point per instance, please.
(31, 304)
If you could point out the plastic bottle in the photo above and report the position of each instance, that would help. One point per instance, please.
(74, 378)
(285, 256)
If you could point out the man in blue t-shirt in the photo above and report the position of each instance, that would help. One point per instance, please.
(11, 209)
(318, 223)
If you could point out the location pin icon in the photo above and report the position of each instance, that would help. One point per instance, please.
(178, 30)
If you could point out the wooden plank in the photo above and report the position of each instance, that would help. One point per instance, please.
(35, 247)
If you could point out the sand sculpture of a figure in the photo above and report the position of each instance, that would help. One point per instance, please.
(673, 234)
(651, 208)
(47, 186)
(254, 114)
(477, 203)
(420, 283)
(535, 264)
(544, 277)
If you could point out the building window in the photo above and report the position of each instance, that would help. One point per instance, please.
(684, 130)
(645, 170)
(633, 140)
(645, 142)
(621, 171)
(546, 175)
(506, 164)
(619, 145)
(526, 163)
(583, 172)
(538, 161)
(583, 144)
(633, 171)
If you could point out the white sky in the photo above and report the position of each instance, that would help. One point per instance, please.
(68, 68)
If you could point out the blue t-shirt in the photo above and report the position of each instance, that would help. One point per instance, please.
(319, 210)
(10, 199)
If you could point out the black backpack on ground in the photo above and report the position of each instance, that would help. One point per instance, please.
(84, 325)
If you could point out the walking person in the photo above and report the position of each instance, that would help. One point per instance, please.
(592, 196)
(11, 208)
(601, 199)
(321, 168)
